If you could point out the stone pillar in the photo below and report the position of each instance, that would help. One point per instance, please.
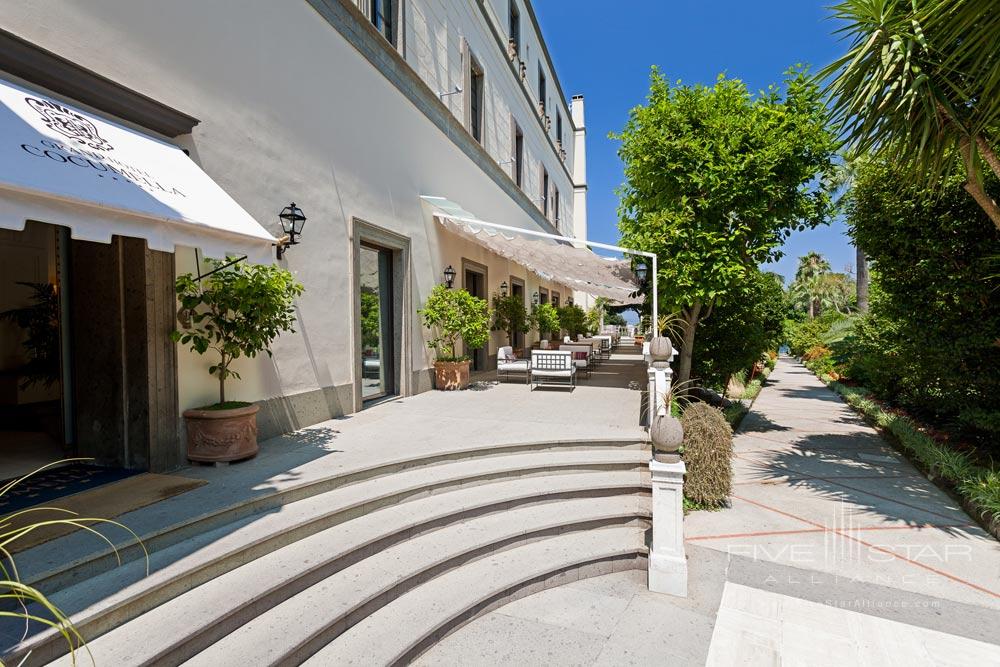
(667, 562)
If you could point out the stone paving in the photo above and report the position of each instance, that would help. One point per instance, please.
(836, 550)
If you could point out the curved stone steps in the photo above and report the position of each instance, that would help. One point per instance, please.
(115, 597)
(400, 631)
(361, 564)
(306, 622)
(46, 566)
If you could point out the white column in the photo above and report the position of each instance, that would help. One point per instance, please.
(667, 562)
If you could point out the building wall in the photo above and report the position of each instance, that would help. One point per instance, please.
(290, 110)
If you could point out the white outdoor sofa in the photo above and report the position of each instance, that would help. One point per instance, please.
(552, 367)
(507, 363)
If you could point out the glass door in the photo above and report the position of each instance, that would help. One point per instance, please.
(377, 355)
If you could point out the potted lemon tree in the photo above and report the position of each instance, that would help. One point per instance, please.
(454, 315)
(236, 311)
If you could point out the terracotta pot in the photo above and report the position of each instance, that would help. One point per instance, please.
(667, 436)
(451, 375)
(639, 340)
(222, 435)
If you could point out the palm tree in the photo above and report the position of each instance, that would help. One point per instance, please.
(918, 86)
(843, 179)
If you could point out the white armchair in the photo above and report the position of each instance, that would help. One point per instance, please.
(507, 363)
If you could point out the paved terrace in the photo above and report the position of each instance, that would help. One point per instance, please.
(605, 406)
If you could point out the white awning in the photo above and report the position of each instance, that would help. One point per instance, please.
(65, 166)
(579, 268)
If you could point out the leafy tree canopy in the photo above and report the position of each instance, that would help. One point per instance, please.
(716, 180)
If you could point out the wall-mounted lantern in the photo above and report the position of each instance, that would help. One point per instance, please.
(640, 272)
(292, 221)
(534, 299)
(569, 301)
(449, 276)
(503, 289)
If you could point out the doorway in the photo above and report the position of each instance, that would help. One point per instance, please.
(378, 371)
(34, 396)
(474, 282)
(517, 290)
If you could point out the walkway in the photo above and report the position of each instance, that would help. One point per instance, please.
(835, 551)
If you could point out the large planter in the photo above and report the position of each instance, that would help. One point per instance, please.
(639, 340)
(215, 436)
(451, 375)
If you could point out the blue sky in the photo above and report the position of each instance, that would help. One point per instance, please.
(604, 51)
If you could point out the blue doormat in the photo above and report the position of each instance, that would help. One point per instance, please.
(54, 483)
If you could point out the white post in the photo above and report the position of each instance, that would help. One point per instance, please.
(667, 562)
(656, 301)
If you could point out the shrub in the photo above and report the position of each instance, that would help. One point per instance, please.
(741, 328)
(815, 352)
(546, 319)
(573, 320)
(928, 342)
(237, 311)
(510, 316)
(708, 454)
(455, 314)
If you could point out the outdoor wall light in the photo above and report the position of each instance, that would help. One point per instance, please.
(503, 289)
(641, 271)
(292, 220)
(569, 301)
(449, 276)
(534, 299)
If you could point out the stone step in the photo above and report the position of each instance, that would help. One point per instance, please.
(400, 631)
(110, 599)
(161, 525)
(376, 554)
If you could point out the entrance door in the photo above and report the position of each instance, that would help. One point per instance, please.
(517, 289)
(378, 373)
(475, 284)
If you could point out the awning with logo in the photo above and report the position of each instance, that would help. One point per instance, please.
(65, 166)
(547, 255)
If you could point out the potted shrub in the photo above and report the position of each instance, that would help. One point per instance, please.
(238, 310)
(573, 320)
(510, 316)
(454, 314)
(546, 319)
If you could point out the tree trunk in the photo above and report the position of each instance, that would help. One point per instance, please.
(812, 308)
(222, 380)
(862, 283)
(687, 344)
(989, 155)
(974, 185)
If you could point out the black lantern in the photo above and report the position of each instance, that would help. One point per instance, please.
(449, 276)
(292, 220)
(534, 299)
(503, 289)
(640, 272)
(569, 301)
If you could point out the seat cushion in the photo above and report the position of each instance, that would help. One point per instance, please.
(517, 364)
(553, 373)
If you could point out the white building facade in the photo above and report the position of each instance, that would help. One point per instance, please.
(354, 110)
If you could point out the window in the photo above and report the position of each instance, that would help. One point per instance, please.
(541, 89)
(559, 128)
(545, 192)
(475, 100)
(555, 206)
(383, 14)
(515, 31)
(555, 299)
(518, 156)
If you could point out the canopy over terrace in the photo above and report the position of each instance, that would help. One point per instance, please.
(549, 255)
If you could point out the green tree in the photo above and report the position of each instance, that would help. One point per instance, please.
(930, 340)
(716, 180)
(371, 318)
(546, 319)
(745, 324)
(918, 85)
(510, 316)
(237, 311)
(573, 320)
(455, 314)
